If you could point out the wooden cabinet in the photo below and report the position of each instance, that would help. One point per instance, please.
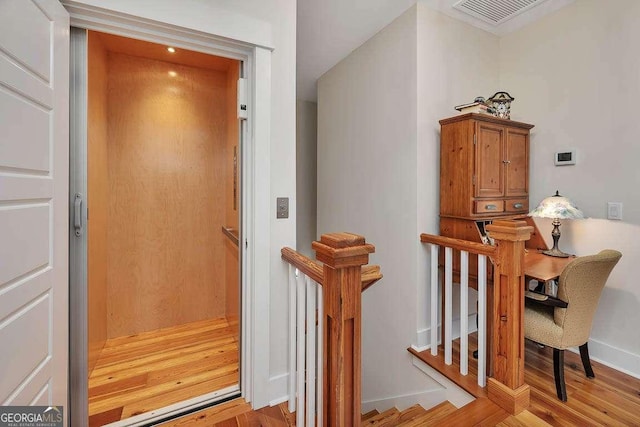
(484, 167)
(484, 175)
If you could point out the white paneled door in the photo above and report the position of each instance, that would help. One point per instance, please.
(34, 172)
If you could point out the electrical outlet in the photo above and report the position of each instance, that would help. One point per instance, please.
(614, 210)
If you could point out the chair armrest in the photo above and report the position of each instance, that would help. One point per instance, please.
(545, 299)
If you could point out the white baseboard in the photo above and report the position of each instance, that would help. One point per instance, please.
(278, 389)
(616, 358)
(426, 399)
(452, 392)
(423, 336)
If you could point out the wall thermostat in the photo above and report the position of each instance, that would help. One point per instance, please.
(567, 157)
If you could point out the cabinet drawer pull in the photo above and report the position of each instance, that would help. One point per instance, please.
(506, 162)
(518, 205)
(491, 207)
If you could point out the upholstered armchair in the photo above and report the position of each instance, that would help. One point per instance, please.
(565, 321)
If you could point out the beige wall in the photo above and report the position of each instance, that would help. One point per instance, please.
(97, 198)
(306, 175)
(378, 139)
(574, 75)
(456, 63)
(167, 137)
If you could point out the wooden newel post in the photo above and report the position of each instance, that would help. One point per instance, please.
(506, 387)
(343, 255)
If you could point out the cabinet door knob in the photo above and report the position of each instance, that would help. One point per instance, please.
(491, 207)
(518, 205)
(506, 162)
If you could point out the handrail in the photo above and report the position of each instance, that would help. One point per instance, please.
(231, 233)
(459, 244)
(336, 314)
(304, 264)
(505, 385)
(370, 274)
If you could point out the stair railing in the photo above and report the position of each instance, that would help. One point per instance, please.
(324, 329)
(465, 248)
(505, 329)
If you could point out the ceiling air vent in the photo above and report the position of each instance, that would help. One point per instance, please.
(495, 11)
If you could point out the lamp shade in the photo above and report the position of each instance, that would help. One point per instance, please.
(557, 206)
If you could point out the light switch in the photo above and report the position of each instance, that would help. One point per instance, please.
(282, 210)
(614, 210)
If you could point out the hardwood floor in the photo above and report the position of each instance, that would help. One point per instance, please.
(210, 348)
(142, 372)
(236, 413)
(612, 398)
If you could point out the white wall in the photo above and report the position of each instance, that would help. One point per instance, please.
(306, 176)
(378, 156)
(456, 63)
(270, 23)
(367, 182)
(574, 75)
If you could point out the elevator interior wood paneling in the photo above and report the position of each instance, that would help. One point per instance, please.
(163, 167)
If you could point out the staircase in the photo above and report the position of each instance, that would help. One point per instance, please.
(414, 416)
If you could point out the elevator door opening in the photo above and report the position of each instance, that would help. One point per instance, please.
(163, 282)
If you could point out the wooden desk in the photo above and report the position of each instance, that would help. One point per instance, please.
(543, 267)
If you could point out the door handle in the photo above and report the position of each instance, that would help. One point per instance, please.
(77, 214)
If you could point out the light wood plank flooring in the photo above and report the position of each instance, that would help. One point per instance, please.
(236, 413)
(150, 370)
(610, 399)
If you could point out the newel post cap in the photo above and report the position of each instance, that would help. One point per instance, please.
(342, 249)
(510, 230)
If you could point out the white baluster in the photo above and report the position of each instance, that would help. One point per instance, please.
(434, 299)
(464, 308)
(300, 286)
(448, 304)
(311, 353)
(482, 320)
(293, 272)
(320, 356)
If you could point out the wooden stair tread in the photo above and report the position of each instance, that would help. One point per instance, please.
(383, 419)
(411, 413)
(369, 414)
(480, 412)
(431, 416)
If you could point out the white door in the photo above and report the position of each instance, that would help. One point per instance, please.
(34, 144)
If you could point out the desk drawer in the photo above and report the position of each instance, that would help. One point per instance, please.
(517, 205)
(489, 206)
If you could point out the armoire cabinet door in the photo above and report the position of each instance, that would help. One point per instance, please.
(489, 145)
(517, 166)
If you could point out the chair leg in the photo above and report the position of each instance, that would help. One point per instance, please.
(586, 362)
(558, 373)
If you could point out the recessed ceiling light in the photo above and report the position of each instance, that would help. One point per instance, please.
(171, 49)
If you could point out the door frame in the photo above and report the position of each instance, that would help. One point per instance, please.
(254, 242)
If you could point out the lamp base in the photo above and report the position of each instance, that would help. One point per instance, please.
(556, 252)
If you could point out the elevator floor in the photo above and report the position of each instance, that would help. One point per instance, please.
(150, 370)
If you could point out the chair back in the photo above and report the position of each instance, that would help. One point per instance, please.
(580, 285)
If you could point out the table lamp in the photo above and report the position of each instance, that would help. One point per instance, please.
(556, 207)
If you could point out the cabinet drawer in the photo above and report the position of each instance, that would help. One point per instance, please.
(517, 205)
(489, 206)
